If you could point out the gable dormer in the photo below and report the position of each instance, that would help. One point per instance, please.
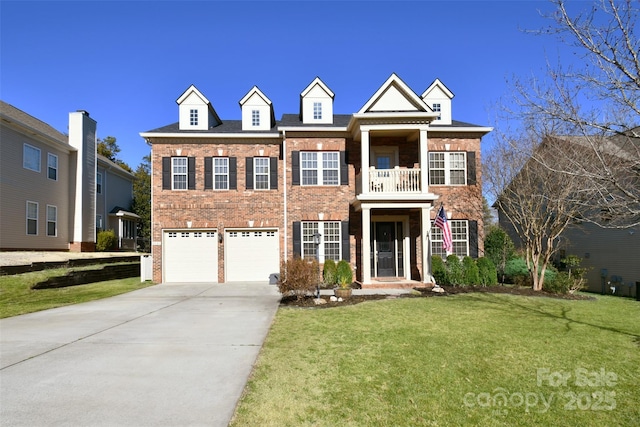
(257, 111)
(438, 97)
(395, 96)
(195, 111)
(316, 103)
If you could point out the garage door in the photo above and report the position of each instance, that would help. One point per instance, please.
(251, 255)
(190, 256)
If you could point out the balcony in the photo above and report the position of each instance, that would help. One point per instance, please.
(391, 181)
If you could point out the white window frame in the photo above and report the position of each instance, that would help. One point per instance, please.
(459, 237)
(99, 224)
(449, 160)
(179, 170)
(331, 232)
(193, 117)
(220, 166)
(255, 118)
(437, 108)
(52, 219)
(261, 168)
(52, 165)
(317, 111)
(33, 218)
(28, 151)
(318, 161)
(99, 182)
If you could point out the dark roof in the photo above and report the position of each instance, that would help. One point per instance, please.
(456, 123)
(18, 116)
(339, 120)
(227, 126)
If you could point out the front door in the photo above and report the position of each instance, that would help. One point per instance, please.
(386, 248)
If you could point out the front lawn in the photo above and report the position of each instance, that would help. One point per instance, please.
(467, 359)
(17, 297)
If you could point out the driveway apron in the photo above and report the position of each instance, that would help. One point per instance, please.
(166, 355)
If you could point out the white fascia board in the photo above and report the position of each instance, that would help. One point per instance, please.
(313, 129)
(461, 129)
(210, 135)
(398, 114)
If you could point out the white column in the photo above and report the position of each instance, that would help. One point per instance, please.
(364, 156)
(366, 245)
(425, 232)
(424, 162)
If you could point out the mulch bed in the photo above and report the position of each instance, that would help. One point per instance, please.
(308, 301)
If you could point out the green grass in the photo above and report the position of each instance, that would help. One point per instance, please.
(17, 297)
(446, 361)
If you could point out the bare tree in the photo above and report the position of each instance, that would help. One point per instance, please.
(536, 203)
(594, 105)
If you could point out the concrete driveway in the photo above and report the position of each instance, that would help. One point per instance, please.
(167, 355)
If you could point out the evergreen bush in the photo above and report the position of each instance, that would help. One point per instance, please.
(470, 271)
(329, 272)
(487, 271)
(107, 241)
(344, 274)
(455, 274)
(439, 270)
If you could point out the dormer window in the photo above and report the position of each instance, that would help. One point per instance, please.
(255, 117)
(317, 111)
(436, 109)
(193, 117)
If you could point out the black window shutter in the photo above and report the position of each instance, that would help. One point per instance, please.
(471, 168)
(233, 173)
(208, 173)
(191, 162)
(344, 169)
(166, 173)
(473, 239)
(297, 239)
(273, 171)
(249, 173)
(295, 168)
(346, 249)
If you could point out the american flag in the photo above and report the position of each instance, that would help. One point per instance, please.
(442, 223)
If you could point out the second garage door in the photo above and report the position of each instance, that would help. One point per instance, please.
(251, 255)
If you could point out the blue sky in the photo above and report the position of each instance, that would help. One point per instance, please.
(127, 62)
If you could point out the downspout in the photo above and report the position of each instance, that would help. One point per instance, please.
(284, 173)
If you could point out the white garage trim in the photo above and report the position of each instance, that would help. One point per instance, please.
(190, 255)
(251, 255)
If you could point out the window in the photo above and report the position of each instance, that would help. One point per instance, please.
(99, 225)
(193, 117)
(31, 158)
(52, 221)
(447, 168)
(323, 172)
(221, 173)
(255, 117)
(178, 173)
(329, 247)
(32, 218)
(317, 111)
(437, 108)
(261, 173)
(99, 183)
(460, 238)
(52, 166)
(128, 229)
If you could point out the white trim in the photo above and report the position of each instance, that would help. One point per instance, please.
(27, 218)
(55, 221)
(271, 134)
(24, 158)
(56, 168)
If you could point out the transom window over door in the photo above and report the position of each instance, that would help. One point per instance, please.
(320, 168)
(179, 173)
(447, 168)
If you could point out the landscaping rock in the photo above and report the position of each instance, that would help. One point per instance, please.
(319, 301)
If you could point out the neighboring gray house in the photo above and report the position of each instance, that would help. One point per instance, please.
(50, 189)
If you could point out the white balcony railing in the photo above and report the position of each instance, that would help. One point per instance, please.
(395, 180)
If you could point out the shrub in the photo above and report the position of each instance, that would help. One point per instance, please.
(499, 248)
(439, 270)
(107, 241)
(487, 271)
(344, 274)
(298, 276)
(455, 274)
(329, 272)
(517, 273)
(470, 272)
(568, 281)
